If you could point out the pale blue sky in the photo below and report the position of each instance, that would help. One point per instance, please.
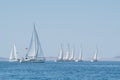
(86, 22)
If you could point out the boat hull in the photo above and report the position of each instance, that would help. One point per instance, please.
(78, 60)
(14, 60)
(33, 60)
(93, 60)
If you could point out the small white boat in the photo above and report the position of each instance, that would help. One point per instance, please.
(72, 55)
(35, 60)
(35, 52)
(60, 56)
(13, 55)
(67, 57)
(79, 59)
(95, 56)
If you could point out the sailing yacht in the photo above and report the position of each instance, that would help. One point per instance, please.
(67, 54)
(13, 55)
(35, 52)
(60, 56)
(72, 55)
(80, 57)
(95, 56)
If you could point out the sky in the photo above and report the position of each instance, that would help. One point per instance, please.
(80, 23)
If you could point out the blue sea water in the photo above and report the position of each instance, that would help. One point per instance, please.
(60, 71)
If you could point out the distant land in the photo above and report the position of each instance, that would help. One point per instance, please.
(116, 58)
(3, 59)
(47, 59)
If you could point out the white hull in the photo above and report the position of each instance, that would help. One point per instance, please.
(93, 60)
(14, 60)
(78, 60)
(33, 60)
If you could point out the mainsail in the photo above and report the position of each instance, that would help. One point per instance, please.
(35, 49)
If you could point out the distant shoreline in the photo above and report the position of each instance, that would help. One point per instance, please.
(86, 59)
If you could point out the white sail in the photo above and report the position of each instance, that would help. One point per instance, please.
(61, 53)
(79, 59)
(68, 53)
(32, 51)
(72, 54)
(35, 50)
(13, 55)
(95, 56)
(80, 55)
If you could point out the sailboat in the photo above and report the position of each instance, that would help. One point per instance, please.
(35, 52)
(60, 56)
(13, 55)
(80, 57)
(72, 55)
(95, 56)
(67, 54)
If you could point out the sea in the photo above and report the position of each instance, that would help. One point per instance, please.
(103, 70)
